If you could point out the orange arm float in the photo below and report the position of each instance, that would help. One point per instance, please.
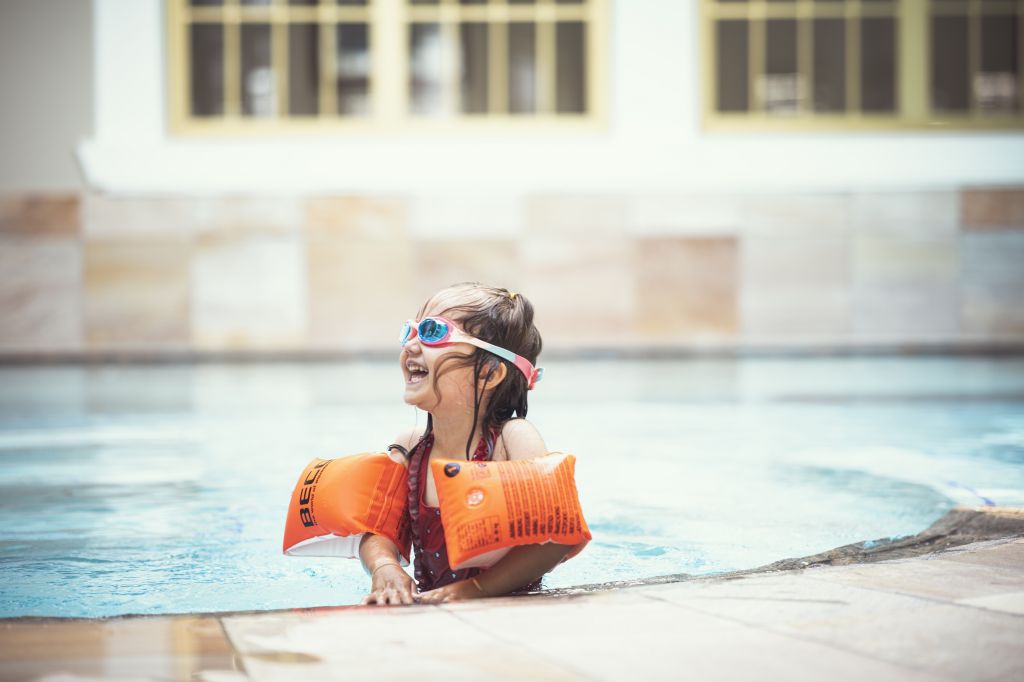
(489, 507)
(336, 501)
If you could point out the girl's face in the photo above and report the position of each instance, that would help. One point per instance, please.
(451, 391)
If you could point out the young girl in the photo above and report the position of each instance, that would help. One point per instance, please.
(468, 361)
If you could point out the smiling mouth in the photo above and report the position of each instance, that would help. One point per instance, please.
(416, 373)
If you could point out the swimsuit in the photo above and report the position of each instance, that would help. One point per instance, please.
(431, 561)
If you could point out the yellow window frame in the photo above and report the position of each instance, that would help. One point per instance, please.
(388, 24)
(913, 21)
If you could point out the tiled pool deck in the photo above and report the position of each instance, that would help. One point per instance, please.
(956, 614)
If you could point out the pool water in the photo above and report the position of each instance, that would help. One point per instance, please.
(163, 488)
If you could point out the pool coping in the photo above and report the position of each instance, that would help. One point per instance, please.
(945, 603)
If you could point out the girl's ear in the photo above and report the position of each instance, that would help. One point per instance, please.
(495, 375)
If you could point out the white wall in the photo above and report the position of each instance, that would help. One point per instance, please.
(654, 141)
(46, 77)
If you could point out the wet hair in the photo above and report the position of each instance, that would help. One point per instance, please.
(497, 316)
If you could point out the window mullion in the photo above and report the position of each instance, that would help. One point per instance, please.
(913, 64)
(279, 58)
(853, 70)
(546, 67)
(389, 60)
(805, 57)
(232, 59)
(497, 58)
(328, 70)
(973, 54)
(756, 57)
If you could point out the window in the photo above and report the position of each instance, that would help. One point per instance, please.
(863, 63)
(240, 65)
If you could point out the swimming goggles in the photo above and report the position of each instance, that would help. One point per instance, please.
(440, 331)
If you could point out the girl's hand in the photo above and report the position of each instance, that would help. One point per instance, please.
(464, 589)
(391, 586)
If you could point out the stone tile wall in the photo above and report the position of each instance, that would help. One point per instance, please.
(97, 274)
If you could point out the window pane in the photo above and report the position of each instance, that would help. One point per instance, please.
(829, 65)
(474, 42)
(520, 2)
(303, 69)
(522, 68)
(423, 2)
(473, 2)
(779, 85)
(733, 62)
(256, 2)
(570, 68)
(303, 2)
(878, 64)
(352, 2)
(207, 54)
(257, 77)
(353, 69)
(996, 87)
(206, 3)
(426, 63)
(949, 64)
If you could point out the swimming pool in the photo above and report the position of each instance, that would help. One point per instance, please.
(163, 488)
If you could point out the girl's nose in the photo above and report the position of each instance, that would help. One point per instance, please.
(412, 346)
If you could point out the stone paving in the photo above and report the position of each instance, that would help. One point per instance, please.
(956, 614)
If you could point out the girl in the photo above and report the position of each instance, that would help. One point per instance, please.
(468, 361)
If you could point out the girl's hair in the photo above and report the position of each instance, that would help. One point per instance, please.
(500, 317)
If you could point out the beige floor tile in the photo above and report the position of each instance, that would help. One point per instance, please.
(113, 217)
(248, 291)
(40, 215)
(382, 644)
(583, 291)
(698, 215)
(992, 282)
(580, 216)
(340, 219)
(888, 260)
(938, 580)
(686, 287)
(128, 648)
(794, 214)
(626, 636)
(1008, 556)
(246, 215)
(40, 300)
(920, 214)
(941, 639)
(471, 217)
(441, 263)
(993, 208)
(1008, 602)
(136, 293)
(795, 288)
(359, 291)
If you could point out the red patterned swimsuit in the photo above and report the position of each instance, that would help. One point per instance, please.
(431, 560)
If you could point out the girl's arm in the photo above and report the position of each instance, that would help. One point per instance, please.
(389, 583)
(522, 565)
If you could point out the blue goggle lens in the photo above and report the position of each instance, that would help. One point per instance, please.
(432, 331)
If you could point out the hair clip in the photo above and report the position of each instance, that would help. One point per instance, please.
(512, 295)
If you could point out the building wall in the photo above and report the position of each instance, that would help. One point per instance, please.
(46, 77)
(648, 234)
(855, 270)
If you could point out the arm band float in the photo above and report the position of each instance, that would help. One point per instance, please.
(489, 507)
(336, 501)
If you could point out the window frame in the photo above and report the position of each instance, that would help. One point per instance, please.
(912, 75)
(388, 26)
